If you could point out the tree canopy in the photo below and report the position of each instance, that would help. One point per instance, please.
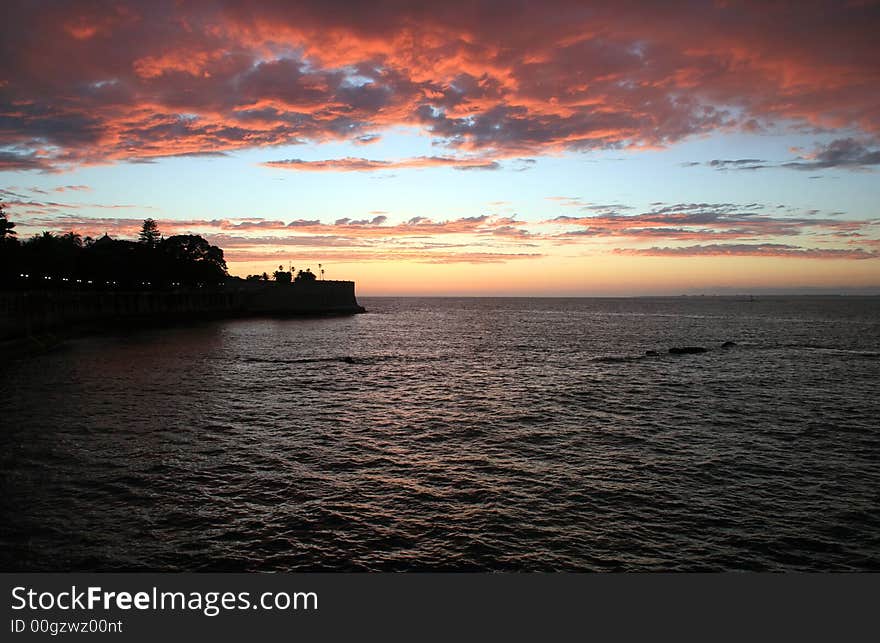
(282, 276)
(68, 260)
(149, 234)
(7, 231)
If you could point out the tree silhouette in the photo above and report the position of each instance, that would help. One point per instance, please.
(72, 239)
(9, 250)
(149, 233)
(50, 260)
(7, 233)
(193, 259)
(282, 276)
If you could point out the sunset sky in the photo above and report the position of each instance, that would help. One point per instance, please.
(509, 148)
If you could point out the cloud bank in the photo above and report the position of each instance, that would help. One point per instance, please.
(688, 229)
(106, 81)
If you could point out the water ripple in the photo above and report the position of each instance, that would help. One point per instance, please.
(453, 434)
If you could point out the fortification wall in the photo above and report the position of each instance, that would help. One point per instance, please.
(305, 298)
(33, 312)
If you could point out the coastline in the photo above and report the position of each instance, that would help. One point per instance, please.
(33, 322)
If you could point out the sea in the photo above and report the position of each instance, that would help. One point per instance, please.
(455, 434)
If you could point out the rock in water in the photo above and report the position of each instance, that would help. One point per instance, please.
(651, 353)
(686, 350)
(728, 344)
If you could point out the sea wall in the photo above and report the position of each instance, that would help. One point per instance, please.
(33, 312)
(303, 298)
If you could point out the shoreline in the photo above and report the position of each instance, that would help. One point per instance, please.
(32, 344)
(34, 321)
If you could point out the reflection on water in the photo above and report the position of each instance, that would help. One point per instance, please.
(435, 434)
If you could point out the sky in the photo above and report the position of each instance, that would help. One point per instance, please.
(460, 148)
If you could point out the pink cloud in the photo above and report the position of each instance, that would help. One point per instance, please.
(717, 229)
(41, 216)
(358, 256)
(98, 82)
(752, 250)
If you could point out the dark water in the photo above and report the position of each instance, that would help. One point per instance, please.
(455, 434)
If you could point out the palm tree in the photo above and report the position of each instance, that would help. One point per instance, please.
(73, 239)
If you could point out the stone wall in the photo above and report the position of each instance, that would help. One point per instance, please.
(33, 312)
(305, 298)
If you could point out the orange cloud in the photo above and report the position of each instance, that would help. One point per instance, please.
(97, 83)
(718, 229)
